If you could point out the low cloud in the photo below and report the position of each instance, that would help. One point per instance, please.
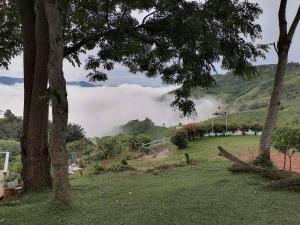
(101, 110)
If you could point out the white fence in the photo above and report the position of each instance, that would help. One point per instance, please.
(155, 143)
(6, 161)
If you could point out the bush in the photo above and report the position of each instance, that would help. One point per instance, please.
(93, 169)
(108, 147)
(135, 142)
(120, 167)
(180, 139)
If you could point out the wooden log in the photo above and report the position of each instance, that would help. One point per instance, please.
(241, 166)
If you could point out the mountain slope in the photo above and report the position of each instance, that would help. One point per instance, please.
(249, 98)
(244, 95)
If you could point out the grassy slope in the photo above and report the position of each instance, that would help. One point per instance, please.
(251, 97)
(203, 194)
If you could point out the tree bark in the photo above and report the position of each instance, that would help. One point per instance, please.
(270, 124)
(27, 14)
(36, 160)
(57, 144)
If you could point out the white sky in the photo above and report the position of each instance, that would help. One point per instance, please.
(268, 21)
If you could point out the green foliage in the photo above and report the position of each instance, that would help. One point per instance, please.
(10, 126)
(180, 139)
(244, 121)
(10, 32)
(75, 132)
(286, 139)
(194, 131)
(177, 39)
(79, 147)
(108, 147)
(11, 146)
(16, 164)
(136, 126)
(93, 169)
(135, 142)
(120, 167)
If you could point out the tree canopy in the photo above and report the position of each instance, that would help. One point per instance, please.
(10, 32)
(179, 40)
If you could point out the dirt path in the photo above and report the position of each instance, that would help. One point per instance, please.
(277, 159)
(157, 155)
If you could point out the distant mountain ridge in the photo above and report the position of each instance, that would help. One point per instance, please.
(12, 81)
(111, 82)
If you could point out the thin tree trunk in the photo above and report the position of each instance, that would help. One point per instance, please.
(283, 47)
(290, 158)
(270, 124)
(57, 145)
(284, 162)
(36, 160)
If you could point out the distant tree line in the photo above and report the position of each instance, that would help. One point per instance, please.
(11, 128)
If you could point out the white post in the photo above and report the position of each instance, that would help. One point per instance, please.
(6, 162)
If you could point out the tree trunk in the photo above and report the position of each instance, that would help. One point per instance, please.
(284, 161)
(270, 124)
(57, 144)
(27, 13)
(283, 47)
(36, 160)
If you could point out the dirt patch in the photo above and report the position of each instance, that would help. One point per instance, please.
(155, 156)
(277, 158)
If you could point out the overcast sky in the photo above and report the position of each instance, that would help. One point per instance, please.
(268, 21)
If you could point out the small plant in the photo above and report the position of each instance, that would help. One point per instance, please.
(124, 162)
(12, 180)
(187, 158)
(180, 139)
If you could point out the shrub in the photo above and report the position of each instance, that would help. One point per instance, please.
(93, 169)
(191, 130)
(108, 147)
(180, 139)
(120, 167)
(135, 142)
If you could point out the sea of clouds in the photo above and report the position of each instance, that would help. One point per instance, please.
(102, 110)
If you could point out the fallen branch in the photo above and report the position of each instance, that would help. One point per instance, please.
(241, 166)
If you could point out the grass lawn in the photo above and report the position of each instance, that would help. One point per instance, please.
(203, 194)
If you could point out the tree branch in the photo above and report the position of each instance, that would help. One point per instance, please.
(275, 47)
(150, 14)
(294, 25)
(282, 19)
(69, 50)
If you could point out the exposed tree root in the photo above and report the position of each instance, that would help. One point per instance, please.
(287, 180)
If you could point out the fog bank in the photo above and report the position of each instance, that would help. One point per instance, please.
(101, 110)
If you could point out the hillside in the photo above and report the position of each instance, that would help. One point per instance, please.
(248, 99)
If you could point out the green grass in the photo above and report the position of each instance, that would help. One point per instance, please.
(203, 194)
